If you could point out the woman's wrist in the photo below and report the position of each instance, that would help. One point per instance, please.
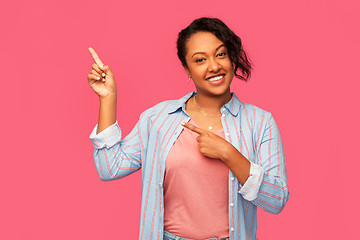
(228, 152)
(109, 98)
(107, 112)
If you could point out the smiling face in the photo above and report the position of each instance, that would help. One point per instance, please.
(209, 65)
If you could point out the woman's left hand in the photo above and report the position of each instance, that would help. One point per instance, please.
(210, 144)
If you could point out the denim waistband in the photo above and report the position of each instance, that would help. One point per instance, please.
(171, 236)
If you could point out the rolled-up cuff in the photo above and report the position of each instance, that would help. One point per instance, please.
(106, 138)
(252, 185)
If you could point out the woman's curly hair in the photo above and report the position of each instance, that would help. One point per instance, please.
(236, 52)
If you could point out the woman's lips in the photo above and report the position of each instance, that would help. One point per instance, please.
(216, 80)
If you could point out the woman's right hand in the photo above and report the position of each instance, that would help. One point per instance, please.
(101, 78)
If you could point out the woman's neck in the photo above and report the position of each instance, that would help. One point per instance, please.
(212, 104)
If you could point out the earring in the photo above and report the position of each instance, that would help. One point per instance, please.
(188, 80)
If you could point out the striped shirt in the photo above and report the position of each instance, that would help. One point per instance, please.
(251, 130)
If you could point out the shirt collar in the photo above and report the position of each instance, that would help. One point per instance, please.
(233, 105)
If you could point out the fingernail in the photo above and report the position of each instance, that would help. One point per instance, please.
(183, 123)
(103, 80)
(98, 78)
(101, 65)
(103, 74)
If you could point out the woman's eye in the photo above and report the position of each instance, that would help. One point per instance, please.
(200, 60)
(221, 54)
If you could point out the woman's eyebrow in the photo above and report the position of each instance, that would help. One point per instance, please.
(222, 45)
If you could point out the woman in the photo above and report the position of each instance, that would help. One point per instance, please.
(208, 160)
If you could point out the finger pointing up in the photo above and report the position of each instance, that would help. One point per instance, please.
(95, 57)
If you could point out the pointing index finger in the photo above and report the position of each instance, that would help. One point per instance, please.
(193, 128)
(95, 57)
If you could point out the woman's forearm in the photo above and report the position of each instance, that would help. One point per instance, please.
(107, 112)
(238, 164)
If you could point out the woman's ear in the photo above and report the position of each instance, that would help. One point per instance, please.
(187, 71)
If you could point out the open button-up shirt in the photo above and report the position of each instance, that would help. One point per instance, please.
(251, 130)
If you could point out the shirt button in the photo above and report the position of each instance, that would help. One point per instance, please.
(175, 133)
(232, 229)
(231, 204)
(223, 115)
(232, 178)
(227, 134)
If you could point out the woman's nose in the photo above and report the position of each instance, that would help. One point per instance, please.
(214, 66)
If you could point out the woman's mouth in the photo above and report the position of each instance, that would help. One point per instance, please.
(216, 80)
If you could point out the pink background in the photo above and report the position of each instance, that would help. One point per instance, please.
(306, 60)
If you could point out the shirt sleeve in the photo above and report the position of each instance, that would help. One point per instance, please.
(266, 186)
(115, 157)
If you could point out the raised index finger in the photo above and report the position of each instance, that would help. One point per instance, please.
(95, 57)
(193, 128)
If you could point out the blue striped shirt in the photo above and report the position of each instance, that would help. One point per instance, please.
(251, 130)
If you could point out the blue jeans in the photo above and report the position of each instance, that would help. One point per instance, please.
(170, 236)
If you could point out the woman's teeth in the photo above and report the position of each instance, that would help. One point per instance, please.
(215, 78)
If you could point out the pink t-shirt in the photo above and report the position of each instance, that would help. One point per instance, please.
(195, 191)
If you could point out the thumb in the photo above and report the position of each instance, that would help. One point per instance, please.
(106, 69)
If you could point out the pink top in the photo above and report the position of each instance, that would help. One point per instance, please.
(195, 191)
